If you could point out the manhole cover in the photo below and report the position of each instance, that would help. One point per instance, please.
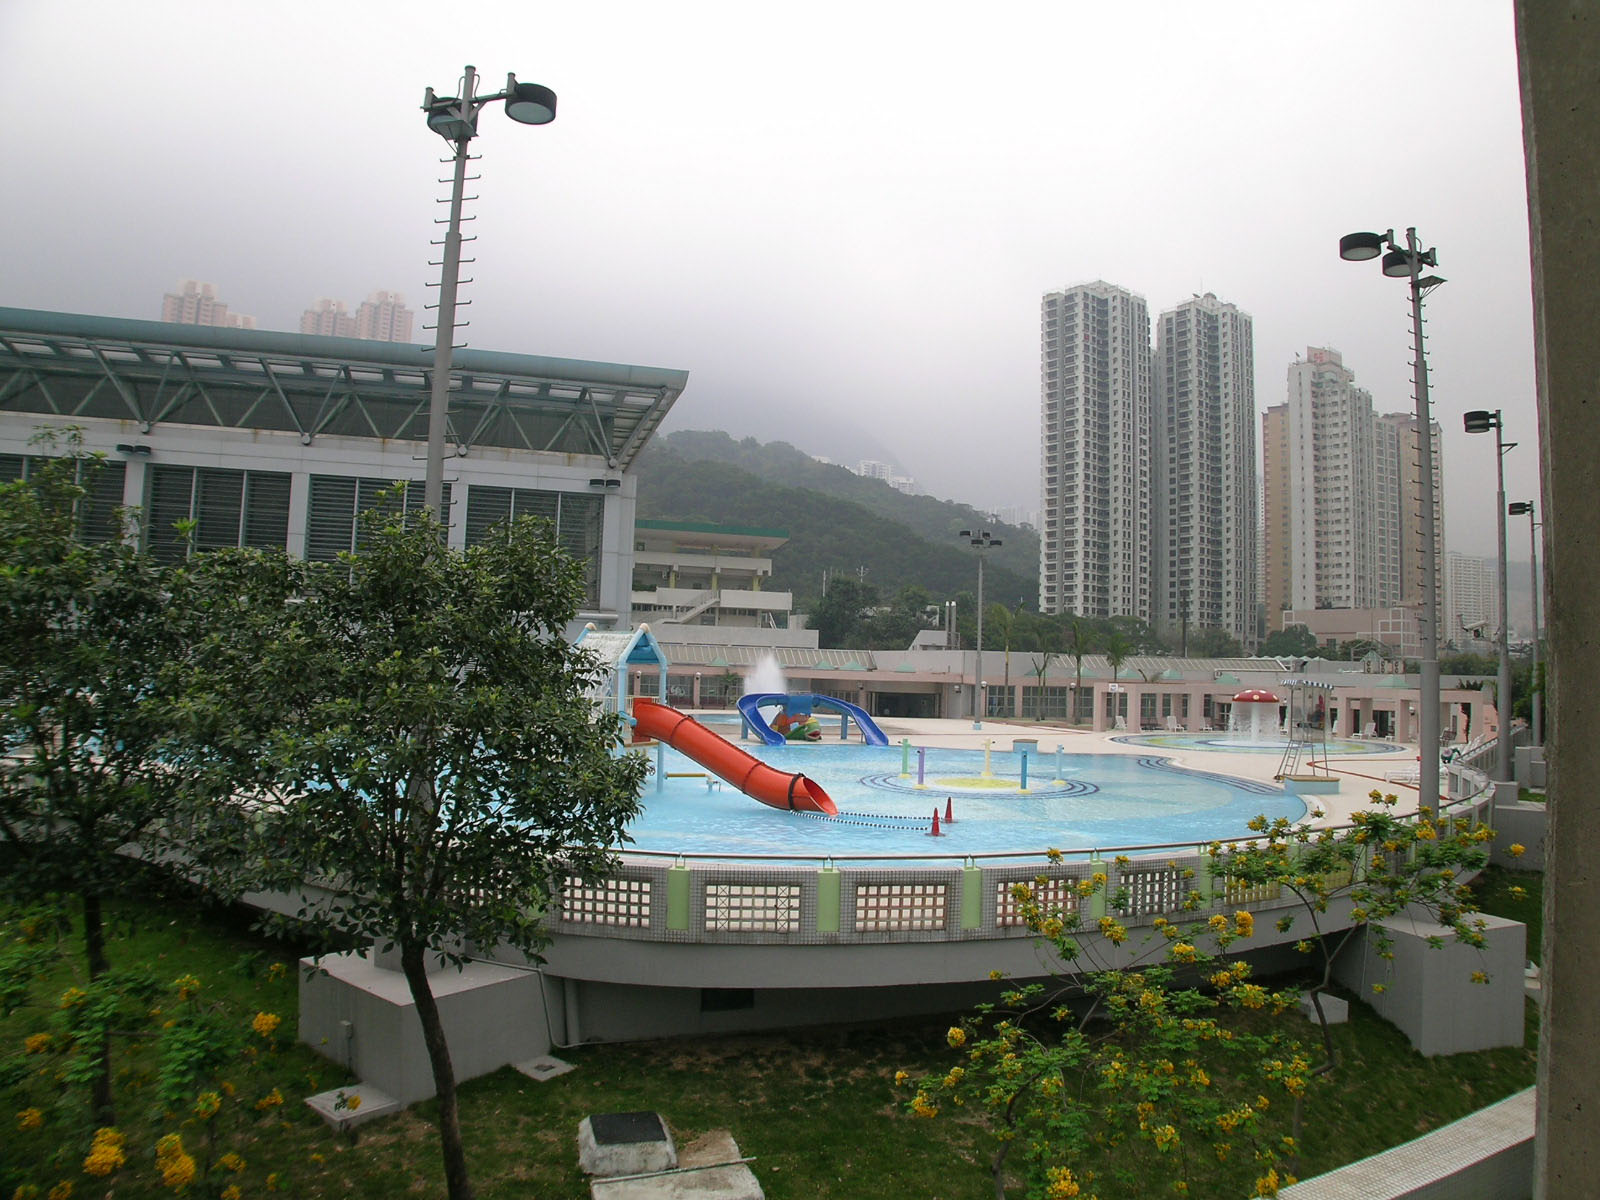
(623, 1129)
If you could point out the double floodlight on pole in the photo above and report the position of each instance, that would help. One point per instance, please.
(1520, 508)
(981, 540)
(455, 119)
(1482, 421)
(1407, 262)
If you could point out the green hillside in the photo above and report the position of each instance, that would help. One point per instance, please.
(837, 521)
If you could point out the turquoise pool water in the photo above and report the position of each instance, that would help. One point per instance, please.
(1095, 801)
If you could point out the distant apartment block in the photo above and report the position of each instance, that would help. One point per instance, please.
(1203, 469)
(1471, 600)
(1342, 511)
(384, 317)
(381, 317)
(196, 303)
(1094, 448)
(328, 318)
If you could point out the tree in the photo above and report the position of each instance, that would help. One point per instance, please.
(1080, 642)
(1296, 641)
(86, 630)
(1129, 1053)
(418, 727)
(1214, 643)
(1003, 621)
(840, 615)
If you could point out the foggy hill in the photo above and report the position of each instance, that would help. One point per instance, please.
(836, 520)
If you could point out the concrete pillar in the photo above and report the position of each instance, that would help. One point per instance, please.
(1558, 51)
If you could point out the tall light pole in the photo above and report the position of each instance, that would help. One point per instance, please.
(1481, 421)
(1536, 725)
(455, 119)
(1406, 262)
(982, 540)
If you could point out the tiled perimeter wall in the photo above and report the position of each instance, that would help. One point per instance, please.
(753, 903)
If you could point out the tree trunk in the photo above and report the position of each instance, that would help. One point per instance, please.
(94, 944)
(444, 1076)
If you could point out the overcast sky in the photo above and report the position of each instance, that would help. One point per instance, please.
(839, 218)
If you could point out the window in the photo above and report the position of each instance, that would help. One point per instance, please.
(229, 509)
(335, 502)
(577, 517)
(102, 480)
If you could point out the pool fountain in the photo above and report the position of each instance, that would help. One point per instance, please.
(1253, 720)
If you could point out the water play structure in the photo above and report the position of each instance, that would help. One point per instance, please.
(780, 789)
(797, 722)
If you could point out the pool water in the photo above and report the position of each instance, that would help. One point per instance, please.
(1096, 801)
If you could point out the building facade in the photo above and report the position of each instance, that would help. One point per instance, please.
(1095, 489)
(196, 303)
(384, 317)
(282, 440)
(328, 318)
(1471, 601)
(1406, 499)
(1203, 440)
(1332, 487)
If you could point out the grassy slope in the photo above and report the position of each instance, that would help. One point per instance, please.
(817, 1108)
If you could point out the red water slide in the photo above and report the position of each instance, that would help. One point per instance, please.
(780, 789)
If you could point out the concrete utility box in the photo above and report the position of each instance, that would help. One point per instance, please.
(1429, 994)
(361, 1014)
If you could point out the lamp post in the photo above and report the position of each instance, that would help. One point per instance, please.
(1536, 725)
(455, 119)
(1482, 421)
(1406, 262)
(981, 540)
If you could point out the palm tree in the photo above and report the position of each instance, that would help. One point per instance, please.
(1002, 618)
(1080, 641)
(1117, 648)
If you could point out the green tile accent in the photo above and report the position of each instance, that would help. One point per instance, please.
(971, 897)
(678, 898)
(829, 883)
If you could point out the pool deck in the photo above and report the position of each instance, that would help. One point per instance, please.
(1357, 774)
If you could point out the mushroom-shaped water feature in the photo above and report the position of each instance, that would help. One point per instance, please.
(1254, 720)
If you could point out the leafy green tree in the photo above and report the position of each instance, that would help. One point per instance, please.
(86, 631)
(1130, 1055)
(840, 617)
(1214, 643)
(1080, 643)
(1296, 641)
(417, 726)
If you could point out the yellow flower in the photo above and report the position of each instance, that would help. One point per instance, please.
(206, 1105)
(1479, 977)
(1053, 855)
(1166, 1137)
(105, 1155)
(1182, 952)
(1268, 1184)
(954, 1077)
(36, 1043)
(1516, 849)
(1061, 1185)
(1244, 923)
(921, 1106)
(956, 1036)
(271, 1100)
(232, 1192)
(266, 1023)
(187, 986)
(277, 971)
(177, 1167)
(30, 1118)
(73, 997)
(272, 1182)
(231, 1162)
(61, 1191)
(900, 1078)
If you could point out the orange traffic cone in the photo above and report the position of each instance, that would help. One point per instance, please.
(934, 832)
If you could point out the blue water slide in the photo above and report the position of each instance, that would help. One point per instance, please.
(750, 706)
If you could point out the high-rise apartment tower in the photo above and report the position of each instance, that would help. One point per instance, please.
(196, 303)
(1094, 479)
(1203, 431)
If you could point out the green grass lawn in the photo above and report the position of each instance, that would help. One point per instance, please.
(817, 1108)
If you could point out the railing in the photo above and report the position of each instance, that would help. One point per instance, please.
(809, 899)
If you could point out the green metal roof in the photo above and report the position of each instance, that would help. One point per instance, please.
(151, 372)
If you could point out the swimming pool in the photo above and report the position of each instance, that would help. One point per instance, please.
(1096, 800)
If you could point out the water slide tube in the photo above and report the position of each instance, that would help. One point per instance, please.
(779, 789)
(750, 705)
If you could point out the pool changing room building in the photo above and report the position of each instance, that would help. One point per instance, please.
(280, 439)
